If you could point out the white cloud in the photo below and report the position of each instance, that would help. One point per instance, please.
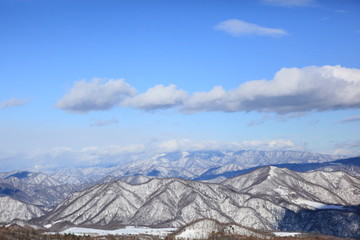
(12, 103)
(290, 3)
(210, 100)
(95, 95)
(238, 28)
(291, 90)
(158, 97)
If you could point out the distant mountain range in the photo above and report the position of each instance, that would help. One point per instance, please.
(187, 165)
(190, 165)
(348, 165)
(294, 191)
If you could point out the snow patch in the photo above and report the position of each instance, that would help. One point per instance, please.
(317, 205)
(272, 172)
(286, 234)
(191, 234)
(129, 230)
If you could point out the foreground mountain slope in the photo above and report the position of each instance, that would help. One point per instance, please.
(267, 198)
(207, 228)
(307, 190)
(160, 202)
(17, 210)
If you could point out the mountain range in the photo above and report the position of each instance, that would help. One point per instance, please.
(268, 198)
(267, 191)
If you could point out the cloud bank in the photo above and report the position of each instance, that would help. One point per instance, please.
(239, 28)
(292, 90)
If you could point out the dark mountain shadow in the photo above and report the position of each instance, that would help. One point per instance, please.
(23, 174)
(339, 223)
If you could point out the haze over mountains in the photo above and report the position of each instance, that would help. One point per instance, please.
(161, 192)
(188, 165)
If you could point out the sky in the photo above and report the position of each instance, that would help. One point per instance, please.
(100, 82)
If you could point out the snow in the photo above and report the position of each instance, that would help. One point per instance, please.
(189, 234)
(198, 230)
(123, 231)
(286, 234)
(317, 205)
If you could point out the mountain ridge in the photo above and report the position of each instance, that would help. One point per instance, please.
(263, 203)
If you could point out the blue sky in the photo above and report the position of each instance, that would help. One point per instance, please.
(101, 81)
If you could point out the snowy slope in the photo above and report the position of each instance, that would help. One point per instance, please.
(268, 198)
(299, 188)
(203, 229)
(35, 188)
(17, 210)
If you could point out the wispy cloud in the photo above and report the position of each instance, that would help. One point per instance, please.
(340, 11)
(290, 3)
(350, 119)
(12, 103)
(101, 123)
(239, 28)
(292, 91)
(259, 121)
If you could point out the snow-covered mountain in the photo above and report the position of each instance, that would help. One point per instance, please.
(35, 188)
(191, 165)
(50, 188)
(159, 192)
(348, 165)
(206, 228)
(79, 176)
(268, 198)
(312, 190)
(188, 165)
(13, 209)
